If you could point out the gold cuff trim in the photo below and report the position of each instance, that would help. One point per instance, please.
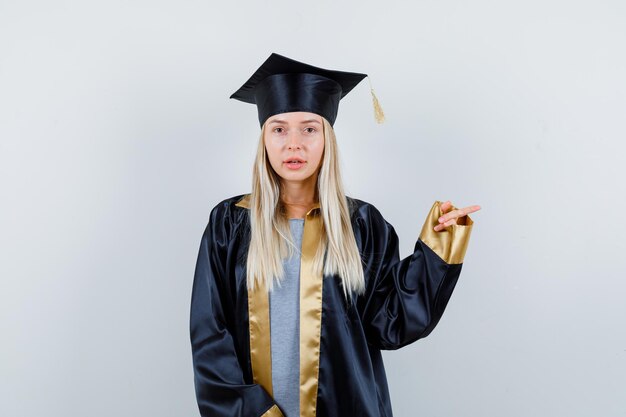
(451, 243)
(310, 315)
(260, 343)
(274, 411)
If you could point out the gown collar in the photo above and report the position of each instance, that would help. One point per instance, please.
(244, 201)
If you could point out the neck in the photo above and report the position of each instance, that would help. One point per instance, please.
(298, 198)
(302, 193)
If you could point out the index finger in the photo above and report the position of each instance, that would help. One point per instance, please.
(471, 209)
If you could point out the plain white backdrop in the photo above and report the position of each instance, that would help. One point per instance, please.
(117, 137)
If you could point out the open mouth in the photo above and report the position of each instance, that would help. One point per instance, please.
(294, 163)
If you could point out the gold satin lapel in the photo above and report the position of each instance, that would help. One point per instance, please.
(274, 411)
(310, 321)
(259, 328)
(451, 243)
(244, 201)
(310, 314)
(260, 343)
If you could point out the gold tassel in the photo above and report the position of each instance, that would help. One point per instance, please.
(378, 110)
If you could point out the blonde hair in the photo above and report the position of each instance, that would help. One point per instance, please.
(271, 240)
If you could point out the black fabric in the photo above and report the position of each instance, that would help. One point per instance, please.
(282, 85)
(403, 302)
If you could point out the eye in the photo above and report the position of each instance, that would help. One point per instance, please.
(277, 131)
(312, 129)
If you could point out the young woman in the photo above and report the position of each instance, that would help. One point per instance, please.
(297, 286)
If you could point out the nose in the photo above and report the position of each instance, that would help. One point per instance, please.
(293, 141)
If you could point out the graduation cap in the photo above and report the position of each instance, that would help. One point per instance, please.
(282, 85)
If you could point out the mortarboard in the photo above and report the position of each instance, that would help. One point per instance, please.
(282, 85)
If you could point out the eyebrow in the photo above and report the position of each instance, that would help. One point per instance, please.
(302, 122)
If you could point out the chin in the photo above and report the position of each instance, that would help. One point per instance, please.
(297, 175)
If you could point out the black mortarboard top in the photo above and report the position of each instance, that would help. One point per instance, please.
(282, 85)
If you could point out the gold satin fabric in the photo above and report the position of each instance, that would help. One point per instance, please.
(274, 411)
(260, 347)
(450, 243)
(310, 313)
(310, 321)
(259, 329)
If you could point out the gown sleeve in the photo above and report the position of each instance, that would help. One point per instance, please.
(218, 378)
(404, 299)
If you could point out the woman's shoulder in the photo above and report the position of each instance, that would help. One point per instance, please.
(230, 204)
(363, 209)
(226, 213)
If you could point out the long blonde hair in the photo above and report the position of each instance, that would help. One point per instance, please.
(271, 240)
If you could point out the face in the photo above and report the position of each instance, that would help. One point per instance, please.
(291, 137)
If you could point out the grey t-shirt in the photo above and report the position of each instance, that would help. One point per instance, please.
(285, 331)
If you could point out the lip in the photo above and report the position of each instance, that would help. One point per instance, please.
(293, 165)
(295, 158)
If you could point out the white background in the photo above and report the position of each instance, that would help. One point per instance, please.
(117, 137)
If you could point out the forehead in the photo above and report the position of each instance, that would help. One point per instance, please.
(298, 117)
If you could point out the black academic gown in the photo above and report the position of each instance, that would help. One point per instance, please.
(341, 367)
